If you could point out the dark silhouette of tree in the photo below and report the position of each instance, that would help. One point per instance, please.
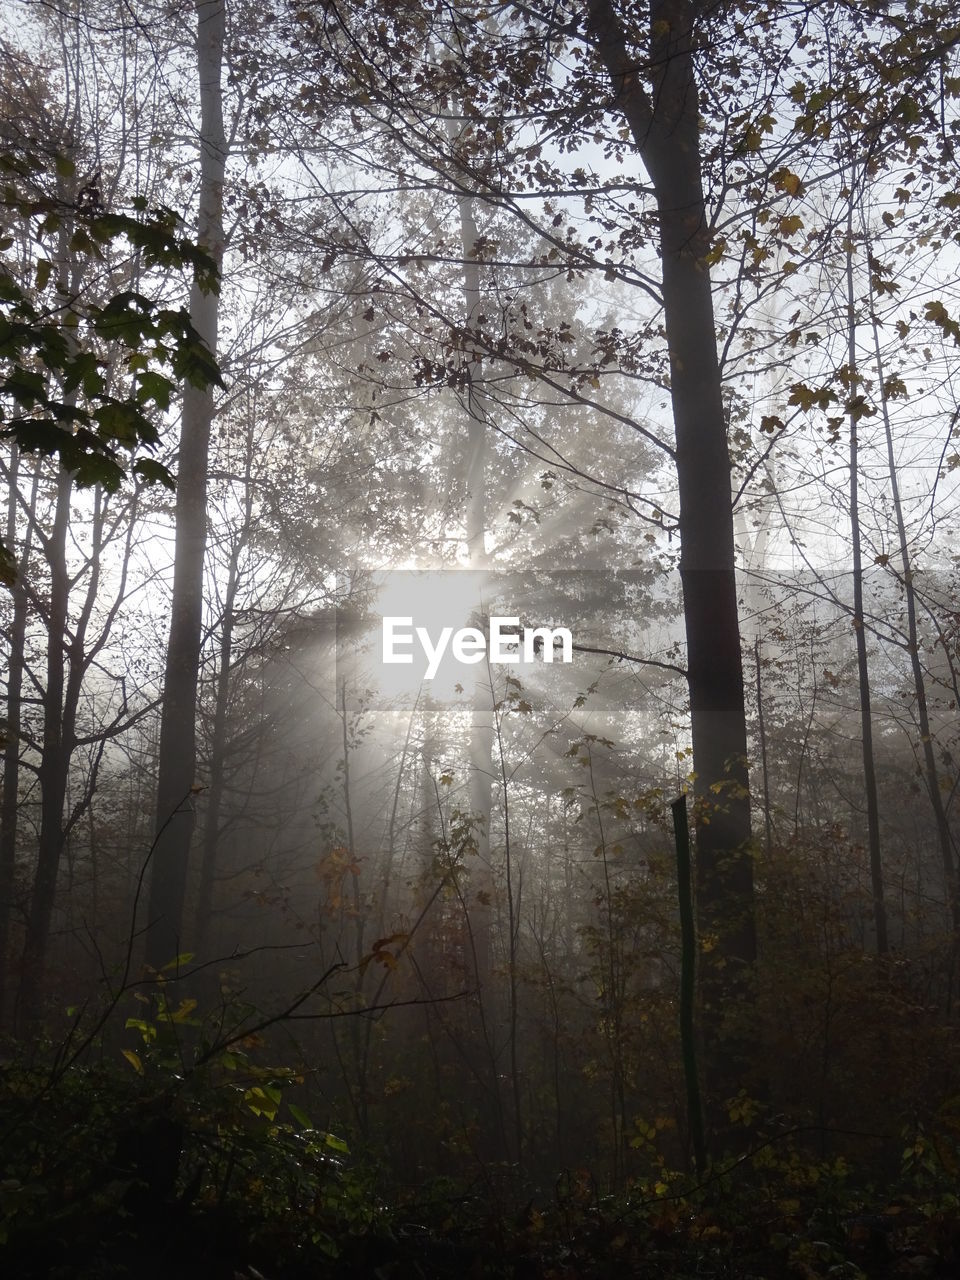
(176, 766)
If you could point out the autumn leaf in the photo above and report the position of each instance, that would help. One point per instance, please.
(786, 180)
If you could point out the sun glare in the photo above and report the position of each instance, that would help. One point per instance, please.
(433, 600)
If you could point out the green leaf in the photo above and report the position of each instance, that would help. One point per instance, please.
(147, 1030)
(53, 389)
(154, 386)
(301, 1117)
(260, 1103)
(119, 420)
(152, 472)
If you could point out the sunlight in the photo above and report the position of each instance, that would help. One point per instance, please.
(432, 599)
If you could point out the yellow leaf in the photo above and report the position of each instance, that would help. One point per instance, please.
(134, 1060)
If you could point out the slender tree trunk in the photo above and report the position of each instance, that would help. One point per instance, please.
(762, 737)
(863, 671)
(913, 648)
(482, 726)
(666, 131)
(391, 852)
(611, 972)
(178, 737)
(54, 761)
(357, 1030)
(57, 745)
(68, 660)
(359, 920)
(513, 940)
(218, 742)
(16, 640)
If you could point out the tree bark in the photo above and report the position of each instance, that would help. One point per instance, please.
(178, 738)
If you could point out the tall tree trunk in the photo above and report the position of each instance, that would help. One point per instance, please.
(863, 671)
(178, 736)
(666, 130)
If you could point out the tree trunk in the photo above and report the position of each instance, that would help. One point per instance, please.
(58, 727)
(944, 838)
(218, 745)
(11, 747)
(54, 762)
(863, 671)
(481, 726)
(178, 737)
(61, 708)
(218, 741)
(666, 131)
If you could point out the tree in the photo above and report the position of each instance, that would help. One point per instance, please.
(695, 96)
(664, 123)
(176, 766)
(87, 341)
(59, 347)
(666, 131)
(855, 413)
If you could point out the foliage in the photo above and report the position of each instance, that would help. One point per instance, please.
(442, 221)
(187, 1142)
(62, 352)
(164, 1160)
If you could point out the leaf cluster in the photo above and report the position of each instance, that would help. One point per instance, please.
(84, 379)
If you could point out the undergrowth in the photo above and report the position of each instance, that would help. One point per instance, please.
(181, 1149)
